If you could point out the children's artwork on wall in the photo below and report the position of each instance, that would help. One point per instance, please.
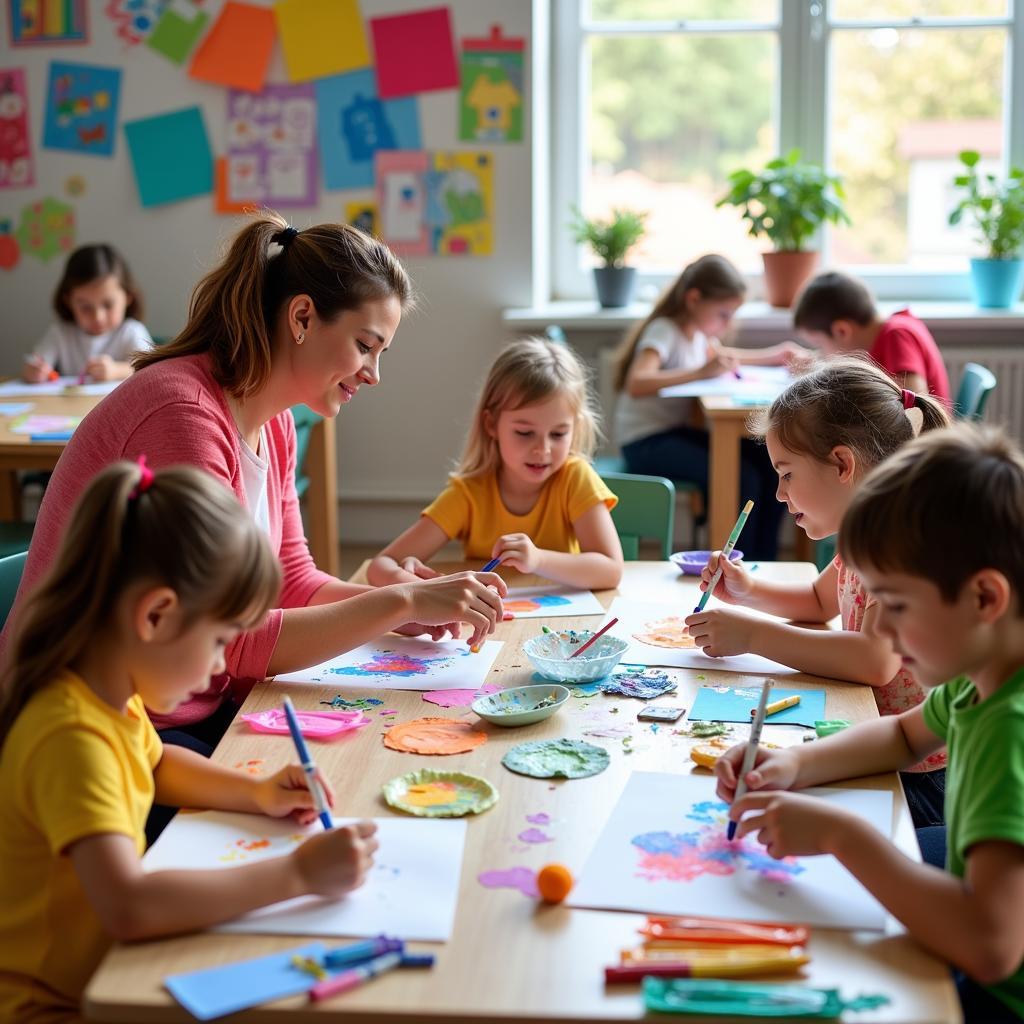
(45, 22)
(178, 29)
(664, 850)
(321, 37)
(353, 124)
(74, 186)
(363, 215)
(491, 93)
(438, 203)
(271, 160)
(47, 229)
(550, 601)
(134, 20)
(410, 892)
(15, 151)
(414, 52)
(10, 251)
(236, 51)
(171, 156)
(81, 108)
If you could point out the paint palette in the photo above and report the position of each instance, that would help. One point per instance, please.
(551, 654)
(521, 705)
(319, 725)
(692, 563)
(436, 794)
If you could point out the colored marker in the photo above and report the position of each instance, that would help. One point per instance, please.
(354, 977)
(780, 705)
(368, 949)
(726, 552)
(312, 779)
(750, 754)
(726, 962)
(489, 567)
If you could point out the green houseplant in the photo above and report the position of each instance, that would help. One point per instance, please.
(786, 203)
(611, 240)
(997, 208)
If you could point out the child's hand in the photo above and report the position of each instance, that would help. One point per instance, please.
(100, 368)
(334, 862)
(719, 363)
(434, 632)
(36, 370)
(720, 632)
(773, 769)
(796, 358)
(285, 792)
(420, 570)
(471, 597)
(735, 586)
(789, 825)
(517, 551)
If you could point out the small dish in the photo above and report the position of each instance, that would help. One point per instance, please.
(691, 563)
(438, 794)
(521, 705)
(551, 656)
(320, 725)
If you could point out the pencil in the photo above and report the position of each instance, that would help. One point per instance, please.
(780, 705)
(600, 633)
(307, 765)
(726, 552)
(751, 752)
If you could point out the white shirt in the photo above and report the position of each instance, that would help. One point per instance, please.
(68, 349)
(636, 418)
(254, 482)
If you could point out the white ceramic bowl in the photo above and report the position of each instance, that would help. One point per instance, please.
(550, 655)
(521, 705)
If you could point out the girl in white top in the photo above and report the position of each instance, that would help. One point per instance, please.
(98, 331)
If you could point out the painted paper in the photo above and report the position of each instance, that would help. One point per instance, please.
(236, 51)
(47, 229)
(178, 29)
(410, 892)
(134, 20)
(363, 216)
(321, 37)
(760, 383)
(171, 156)
(44, 22)
(16, 388)
(436, 202)
(15, 151)
(414, 52)
(353, 123)
(434, 736)
(491, 93)
(43, 423)
(548, 602)
(734, 704)
(545, 759)
(81, 108)
(457, 698)
(404, 663)
(664, 850)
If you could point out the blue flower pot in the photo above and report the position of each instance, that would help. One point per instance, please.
(996, 283)
(614, 286)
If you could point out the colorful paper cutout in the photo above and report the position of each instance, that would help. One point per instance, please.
(545, 759)
(353, 124)
(177, 30)
(47, 229)
(236, 51)
(81, 108)
(321, 37)
(552, 601)
(43, 22)
(16, 169)
(430, 794)
(414, 52)
(734, 704)
(171, 156)
(10, 251)
(436, 202)
(491, 93)
(363, 216)
(434, 736)
(134, 20)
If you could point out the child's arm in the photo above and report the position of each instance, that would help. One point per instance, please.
(646, 377)
(403, 560)
(784, 354)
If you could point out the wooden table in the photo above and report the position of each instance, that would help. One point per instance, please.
(511, 960)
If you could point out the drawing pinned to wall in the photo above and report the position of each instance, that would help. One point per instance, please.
(414, 52)
(15, 150)
(178, 29)
(363, 216)
(438, 203)
(81, 108)
(44, 22)
(236, 51)
(491, 93)
(75, 186)
(10, 251)
(134, 20)
(353, 124)
(321, 37)
(171, 156)
(47, 229)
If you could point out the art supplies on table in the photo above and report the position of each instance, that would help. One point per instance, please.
(750, 999)
(427, 793)
(761, 383)
(14, 408)
(58, 386)
(550, 602)
(780, 705)
(313, 782)
(318, 725)
(41, 423)
(660, 713)
(553, 654)
(661, 929)
(735, 703)
(724, 962)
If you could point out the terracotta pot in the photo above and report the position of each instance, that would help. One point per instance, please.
(785, 273)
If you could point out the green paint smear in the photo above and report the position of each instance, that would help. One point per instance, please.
(544, 759)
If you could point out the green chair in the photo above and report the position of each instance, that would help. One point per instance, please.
(976, 385)
(11, 569)
(15, 538)
(305, 420)
(646, 509)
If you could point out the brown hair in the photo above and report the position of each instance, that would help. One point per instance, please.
(235, 306)
(831, 297)
(527, 372)
(185, 531)
(712, 275)
(845, 401)
(942, 508)
(90, 263)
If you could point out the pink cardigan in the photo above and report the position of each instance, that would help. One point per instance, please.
(174, 412)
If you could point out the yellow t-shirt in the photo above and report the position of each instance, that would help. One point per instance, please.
(72, 767)
(471, 510)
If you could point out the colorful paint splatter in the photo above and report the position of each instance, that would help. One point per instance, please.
(534, 604)
(245, 849)
(392, 663)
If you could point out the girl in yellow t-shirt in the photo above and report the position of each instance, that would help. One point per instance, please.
(156, 576)
(524, 491)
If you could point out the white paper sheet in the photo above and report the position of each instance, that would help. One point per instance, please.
(664, 850)
(766, 382)
(411, 891)
(550, 602)
(18, 388)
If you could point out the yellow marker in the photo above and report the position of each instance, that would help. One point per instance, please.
(779, 705)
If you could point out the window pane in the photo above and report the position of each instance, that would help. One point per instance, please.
(874, 10)
(670, 117)
(681, 10)
(904, 103)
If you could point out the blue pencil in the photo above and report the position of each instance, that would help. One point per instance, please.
(491, 565)
(307, 765)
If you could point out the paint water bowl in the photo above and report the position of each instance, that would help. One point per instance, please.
(521, 705)
(552, 656)
(692, 563)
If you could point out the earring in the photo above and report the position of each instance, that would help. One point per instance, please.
(300, 338)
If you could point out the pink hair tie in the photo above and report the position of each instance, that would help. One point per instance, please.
(909, 398)
(146, 478)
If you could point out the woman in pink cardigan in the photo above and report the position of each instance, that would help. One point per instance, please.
(288, 317)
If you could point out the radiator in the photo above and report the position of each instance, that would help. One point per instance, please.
(1006, 403)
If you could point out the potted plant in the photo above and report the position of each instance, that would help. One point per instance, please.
(998, 212)
(787, 202)
(611, 240)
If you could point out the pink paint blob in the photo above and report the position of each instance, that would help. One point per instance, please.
(539, 819)
(457, 698)
(523, 879)
(534, 835)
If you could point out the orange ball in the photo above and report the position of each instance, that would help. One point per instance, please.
(554, 881)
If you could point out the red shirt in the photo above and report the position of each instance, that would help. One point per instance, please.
(905, 345)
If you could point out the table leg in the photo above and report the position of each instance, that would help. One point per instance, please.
(10, 496)
(322, 497)
(724, 477)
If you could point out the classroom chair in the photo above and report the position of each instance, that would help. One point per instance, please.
(646, 509)
(15, 537)
(976, 385)
(11, 569)
(305, 420)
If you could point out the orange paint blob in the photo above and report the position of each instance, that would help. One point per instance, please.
(434, 736)
(554, 882)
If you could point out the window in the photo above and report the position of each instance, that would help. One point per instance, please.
(656, 101)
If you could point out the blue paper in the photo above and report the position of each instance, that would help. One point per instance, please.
(353, 123)
(81, 108)
(171, 156)
(216, 991)
(726, 704)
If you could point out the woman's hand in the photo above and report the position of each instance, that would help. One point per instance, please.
(286, 792)
(734, 587)
(517, 551)
(337, 861)
(470, 597)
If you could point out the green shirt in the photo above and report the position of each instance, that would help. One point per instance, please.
(984, 778)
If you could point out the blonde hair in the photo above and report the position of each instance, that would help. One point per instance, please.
(185, 531)
(712, 275)
(525, 373)
(234, 307)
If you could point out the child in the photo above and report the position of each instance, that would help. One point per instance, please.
(824, 433)
(935, 536)
(837, 314)
(156, 575)
(98, 330)
(678, 343)
(524, 491)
